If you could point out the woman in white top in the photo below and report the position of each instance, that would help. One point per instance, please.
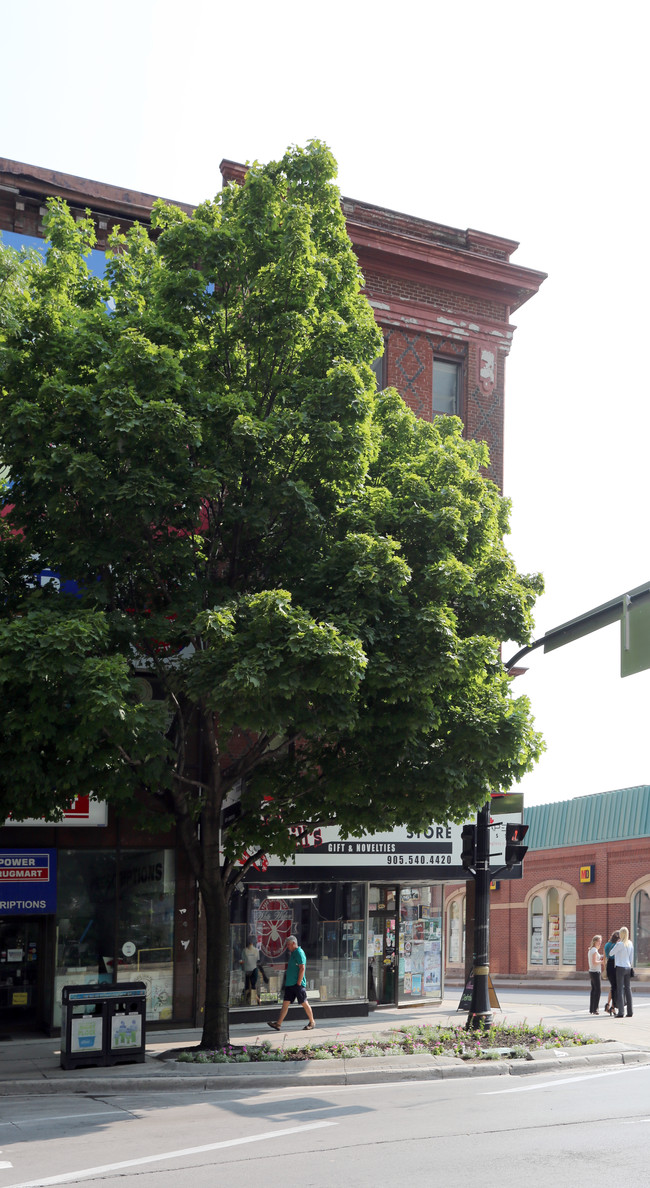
(623, 954)
(595, 960)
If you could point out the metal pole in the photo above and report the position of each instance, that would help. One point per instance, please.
(480, 1014)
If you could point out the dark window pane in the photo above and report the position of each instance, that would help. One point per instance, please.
(445, 388)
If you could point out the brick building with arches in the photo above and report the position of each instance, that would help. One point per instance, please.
(587, 871)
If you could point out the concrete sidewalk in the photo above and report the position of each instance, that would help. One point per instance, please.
(29, 1066)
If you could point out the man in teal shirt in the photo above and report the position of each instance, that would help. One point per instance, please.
(295, 985)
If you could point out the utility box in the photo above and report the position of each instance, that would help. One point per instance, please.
(103, 1025)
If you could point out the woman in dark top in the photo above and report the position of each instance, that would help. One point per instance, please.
(610, 970)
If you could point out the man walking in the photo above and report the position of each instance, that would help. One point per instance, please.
(295, 985)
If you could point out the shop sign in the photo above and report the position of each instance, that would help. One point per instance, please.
(83, 811)
(432, 854)
(27, 882)
(587, 873)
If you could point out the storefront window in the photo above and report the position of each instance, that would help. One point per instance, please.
(420, 943)
(456, 931)
(537, 932)
(92, 928)
(329, 922)
(569, 930)
(641, 935)
(552, 928)
(146, 926)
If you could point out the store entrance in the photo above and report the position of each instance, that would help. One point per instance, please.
(22, 944)
(382, 945)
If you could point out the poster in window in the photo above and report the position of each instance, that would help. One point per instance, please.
(417, 958)
(553, 949)
(569, 953)
(431, 981)
(416, 984)
(536, 940)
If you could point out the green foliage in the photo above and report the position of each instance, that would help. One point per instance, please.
(500, 1042)
(313, 581)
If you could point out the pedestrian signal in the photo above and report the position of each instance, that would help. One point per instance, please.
(515, 850)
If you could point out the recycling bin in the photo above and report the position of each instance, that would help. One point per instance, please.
(103, 1025)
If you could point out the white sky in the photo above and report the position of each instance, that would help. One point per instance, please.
(525, 120)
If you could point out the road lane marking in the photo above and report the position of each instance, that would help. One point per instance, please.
(118, 1111)
(67, 1177)
(610, 1072)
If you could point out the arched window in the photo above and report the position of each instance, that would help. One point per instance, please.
(641, 926)
(552, 927)
(569, 907)
(536, 931)
(456, 930)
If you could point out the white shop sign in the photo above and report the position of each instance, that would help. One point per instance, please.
(83, 811)
(433, 853)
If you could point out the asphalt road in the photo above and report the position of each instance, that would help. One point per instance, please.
(554, 1129)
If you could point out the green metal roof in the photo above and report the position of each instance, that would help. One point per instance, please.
(606, 816)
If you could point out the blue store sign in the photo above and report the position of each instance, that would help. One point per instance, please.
(27, 882)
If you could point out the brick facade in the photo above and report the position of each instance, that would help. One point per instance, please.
(621, 868)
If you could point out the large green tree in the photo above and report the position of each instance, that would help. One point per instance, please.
(315, 580)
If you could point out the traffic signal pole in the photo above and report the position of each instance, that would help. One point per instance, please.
(480, 1013)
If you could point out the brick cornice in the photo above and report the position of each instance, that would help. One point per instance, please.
(481, 276)
(33, 181)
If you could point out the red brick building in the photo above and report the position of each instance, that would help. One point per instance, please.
(443, 298)
(587, 871)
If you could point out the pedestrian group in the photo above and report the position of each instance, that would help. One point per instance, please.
(619, 969)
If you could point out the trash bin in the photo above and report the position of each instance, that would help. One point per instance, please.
(103, 1024)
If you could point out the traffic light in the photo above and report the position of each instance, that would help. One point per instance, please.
(515, 850)
(468, 852)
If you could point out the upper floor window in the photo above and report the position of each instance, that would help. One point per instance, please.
(379, 368)
(446, 377)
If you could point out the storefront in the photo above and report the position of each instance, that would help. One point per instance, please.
(366, 944)
(98, 904)
(88, 901)
(368, 913)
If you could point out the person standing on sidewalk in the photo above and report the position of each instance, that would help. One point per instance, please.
(623, 954)
(610, 970)
(295, 984)
(595, 959)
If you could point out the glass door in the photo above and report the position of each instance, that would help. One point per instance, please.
(20, 950)
(382, 945)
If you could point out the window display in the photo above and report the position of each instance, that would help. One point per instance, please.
(94, 931)
(420, 943)
(329, 922)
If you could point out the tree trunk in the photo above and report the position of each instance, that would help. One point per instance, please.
(216, 1031)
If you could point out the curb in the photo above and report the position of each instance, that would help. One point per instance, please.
(252, 1077)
